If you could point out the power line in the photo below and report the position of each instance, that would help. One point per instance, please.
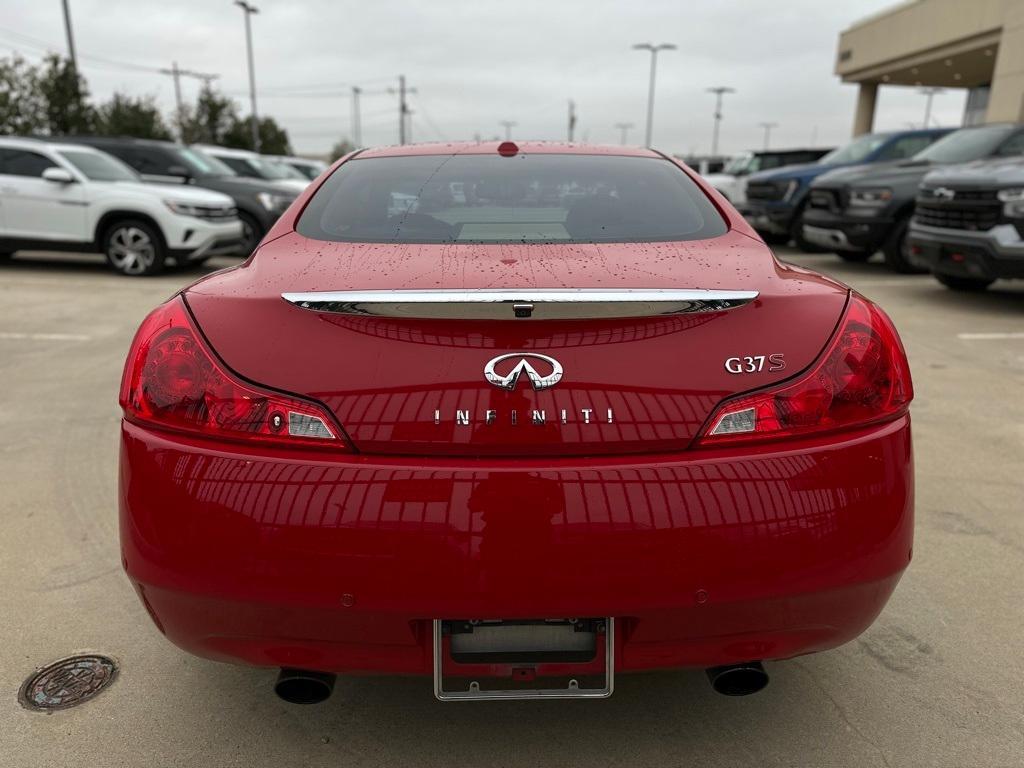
(49, 47)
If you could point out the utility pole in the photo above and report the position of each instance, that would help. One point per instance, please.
(357, 127)
(719, 91)
(767, 132)
(650, 88)
(572, 119)
(929, 93)
(249, 10)
(624, 127)
(177, 74)
(71, 40)
(403, 107)
(509, 125)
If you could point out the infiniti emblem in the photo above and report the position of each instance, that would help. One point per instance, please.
(509, 380)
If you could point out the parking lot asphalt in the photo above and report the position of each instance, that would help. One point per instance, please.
(937, 681)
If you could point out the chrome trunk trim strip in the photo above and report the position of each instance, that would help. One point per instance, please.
(526, 303)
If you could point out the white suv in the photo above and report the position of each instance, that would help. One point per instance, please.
(71, 197)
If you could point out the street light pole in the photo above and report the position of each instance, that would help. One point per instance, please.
(624, 127)
(650, 88)
(71, 39)
(767, 132)
(249, 10)
(929, 94)
(719, 91)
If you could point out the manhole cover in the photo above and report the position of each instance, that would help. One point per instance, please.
(68, 682)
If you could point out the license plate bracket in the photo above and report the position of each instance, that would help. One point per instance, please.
(572, 680)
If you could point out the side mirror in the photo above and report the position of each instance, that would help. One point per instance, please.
(58, 176)
(179, 170)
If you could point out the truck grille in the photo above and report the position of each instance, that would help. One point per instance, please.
(970, 209)
(765, 190)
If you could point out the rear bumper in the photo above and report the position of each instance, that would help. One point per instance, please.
(992, 254)
(340, 563)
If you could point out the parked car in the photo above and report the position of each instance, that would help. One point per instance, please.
(481, 419)
(308, 167)
(776, 200)
(732, 181)
(259, 202)
(968, 224)
(67, 197)
(857, 211)
(254, 166)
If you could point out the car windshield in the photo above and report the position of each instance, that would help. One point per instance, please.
(966, 144)
(739, 164)
(201, 164)
(97, 166)
(542, 198)
(856, 150)
(308, 170)
(263, 169)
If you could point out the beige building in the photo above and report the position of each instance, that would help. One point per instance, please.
(972, 44)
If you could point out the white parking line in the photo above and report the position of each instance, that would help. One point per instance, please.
(989, 336)
(44, 336)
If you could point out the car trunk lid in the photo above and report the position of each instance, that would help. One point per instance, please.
(419, 349)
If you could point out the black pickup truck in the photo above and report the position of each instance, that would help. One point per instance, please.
(857, 211)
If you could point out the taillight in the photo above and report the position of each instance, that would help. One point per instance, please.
(172, 380)
(861, 378)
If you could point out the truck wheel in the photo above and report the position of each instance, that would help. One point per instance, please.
(252, 233)
(855, 256)
(134, 248)
(796, 233)
(897, 250)
(956, 283)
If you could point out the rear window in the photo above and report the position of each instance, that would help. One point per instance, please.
(543, 198)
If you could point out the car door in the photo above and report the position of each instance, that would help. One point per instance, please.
(37, 209)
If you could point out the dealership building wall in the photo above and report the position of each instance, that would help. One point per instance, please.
(977, 45)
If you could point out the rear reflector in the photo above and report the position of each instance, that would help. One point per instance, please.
(861, 378)
(172, 380)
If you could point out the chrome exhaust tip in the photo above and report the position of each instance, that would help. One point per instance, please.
(738, 679)
(303, 686)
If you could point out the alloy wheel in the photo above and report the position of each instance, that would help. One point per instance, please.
(131, 250)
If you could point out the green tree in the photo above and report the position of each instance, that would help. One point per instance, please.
(211, 118)
(66, 96)
(124, 115)
(342, 148)
(22, 107)
(273, 138)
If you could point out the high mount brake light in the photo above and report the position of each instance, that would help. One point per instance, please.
(862, 378)
(172, 380)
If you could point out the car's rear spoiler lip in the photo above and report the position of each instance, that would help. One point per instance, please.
(522, 303)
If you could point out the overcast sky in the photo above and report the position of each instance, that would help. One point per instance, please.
(477, 63)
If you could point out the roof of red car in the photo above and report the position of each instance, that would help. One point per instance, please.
(491, 147)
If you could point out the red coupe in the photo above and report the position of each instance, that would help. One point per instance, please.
(519, 418)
